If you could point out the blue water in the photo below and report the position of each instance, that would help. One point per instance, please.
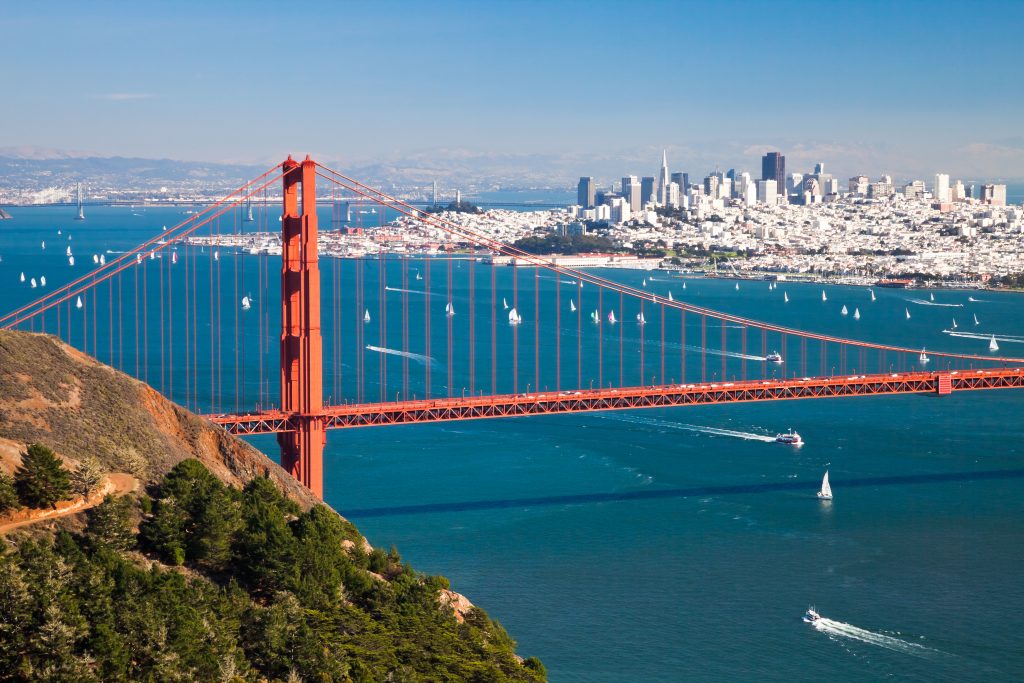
(660, 544)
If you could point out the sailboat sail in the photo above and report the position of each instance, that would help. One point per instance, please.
(906, 312)
(572, 306)
(824, 297)
(514, 318)
(826, 489)
(366, 316)
(670, 295)
(611, 317)
(640, 318)
(856, 314)
(504, 303)
(785, 297)
(246, 304)
(449, 310)
(993, 345)
(844, 311)
(595, 317)
(976, 319)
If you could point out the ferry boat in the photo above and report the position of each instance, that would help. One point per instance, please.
(774, 357)
(810, 616)
(790, 437)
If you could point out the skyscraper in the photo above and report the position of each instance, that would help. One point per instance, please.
(647, 191)
(631, 192)
(940, 191)
(663, 180)
(773, 167)
(682, 180)
(585, 193)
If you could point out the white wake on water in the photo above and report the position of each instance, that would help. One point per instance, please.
(1012, 339)
(925, 302)
(716, 431)
(727, 354)
(407, 291)
(404, 354)
(839, 629)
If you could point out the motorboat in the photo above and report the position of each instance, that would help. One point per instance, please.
(774, 357)
(791, 438)
(810, 616)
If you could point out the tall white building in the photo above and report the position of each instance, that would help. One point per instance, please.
(663, 180)
(767, 193)
(631, 192)
(941, 190)
(672, 196)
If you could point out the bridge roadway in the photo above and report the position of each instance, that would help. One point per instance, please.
(660, 396)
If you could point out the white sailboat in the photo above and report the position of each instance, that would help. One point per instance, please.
(737, 286)
(71, 260)
(79, 304)
(844, 311)
(504, 303)
(906, 312)
(95, 258)
(611, 317)
(449, 310)
(931, 296)
(572, 306)
(595, 317)
(645, 282)
(872, 294)
(684, 284)
(640, 318)
(856, 314)
(44, 245)
(670, 295)
(33, 283)
(216, 255)
(174, 257)
(826, 491)
(42, 280)
(993, 345)
(138, 258)
(419, 276)
(514, 318)
(67, 252)
(22, 279)
(366, 316)
(103, 260)
(954, 323)
(976, 319)
(824, 297)
(923, 358)
(785, 297)
(246, 304)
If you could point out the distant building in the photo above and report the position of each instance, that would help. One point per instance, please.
(647, 193)
(663, 180)
(773, 167)
(683, 180)
(794, 183)
(819, 168)
(631, 192)
(993, 194)
(767, 192)
(957, 193)
(672, 196)
(858, 185)
(585, 192)
(914, 190)
(711, 186)
(880, 189)
(620, 209)
(940, 191)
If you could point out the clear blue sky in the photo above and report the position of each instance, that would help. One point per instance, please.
(903, 87)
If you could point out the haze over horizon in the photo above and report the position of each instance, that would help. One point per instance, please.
(593, 89)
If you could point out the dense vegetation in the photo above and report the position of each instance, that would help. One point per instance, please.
(255, 590)
(554, 243)
(457, 207)
(40, 481)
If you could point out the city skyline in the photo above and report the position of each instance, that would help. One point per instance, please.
(894, 91)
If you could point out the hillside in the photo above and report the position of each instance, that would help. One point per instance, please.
(197, 558)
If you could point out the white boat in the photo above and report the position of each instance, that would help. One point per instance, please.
(449, 310)
(971, 298)
(737, 286)
(976, 319)
(419, 276)
(923, 358)
(785, 297)
(906, 311)
(67, 252)
(44, 245)
(824, 297)
(174, 257)
(572, 306)
(954, 323)
(103, 260)
(645, 283)
(71, 260)
(810, 616)
(79, 304)
(42, 280)
(246, 304)
(856, 314)
(595, 317)
(826, 491)
(22, 279)
(640, 319)
(514, 318)
(931, 296)
(670, 295)
(138, 258)
(684, 284)
(872, 294)
(216, 255)
(366, 316)
(611, 317)
(504, 303)
(790, 438)
(844, 311)
(774, 357)
(95, 258)
(993, 345)
(33, 283)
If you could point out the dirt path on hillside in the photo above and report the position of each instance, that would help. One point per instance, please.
(117, 483)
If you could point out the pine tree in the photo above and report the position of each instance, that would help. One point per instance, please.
(87, 476)
(41, 479)
(8, 496)
(110, 524)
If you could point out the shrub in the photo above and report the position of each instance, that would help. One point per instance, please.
(41, 479)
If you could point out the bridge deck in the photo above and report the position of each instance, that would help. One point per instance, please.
(551, 402)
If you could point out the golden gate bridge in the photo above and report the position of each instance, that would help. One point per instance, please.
(167, 312)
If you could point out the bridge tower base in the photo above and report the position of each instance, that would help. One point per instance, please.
(301, 342)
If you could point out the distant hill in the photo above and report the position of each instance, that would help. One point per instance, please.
(219, 566)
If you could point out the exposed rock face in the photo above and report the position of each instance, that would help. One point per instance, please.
(53, 394)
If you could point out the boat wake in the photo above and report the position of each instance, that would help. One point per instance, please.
(1011, 339)
(425, 360)
(727, 354)
(925, 302)
(715, 431)
(838, 629)
(407, 291)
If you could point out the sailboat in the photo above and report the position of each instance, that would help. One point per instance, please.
(824, 297)
(504, 303)
(95, 258)
(216, 255)
(872, 294)
(174, 257)
(103, 260)
(42, 280)
(449, 310)
(645, 282)
(81, 210)
(22, 279)
(71, 260)
(670, 295)
(44, 245)
(611, 317)
(595, 317)
(976, 319)
(954, 323)
(826, 491)
(684, 284)
(785, 297)
(993, 345)
(640, 318)
(844, 311)
(79, 304)
(737, 286)
(67, 252)
(514, 318)
(138, 258)
(33, 283)
(906, 311)
(246, 303)
(419, 276)
(923, 358)
(856, 314)
(572, 306)
(931, 296)
(366, 316)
